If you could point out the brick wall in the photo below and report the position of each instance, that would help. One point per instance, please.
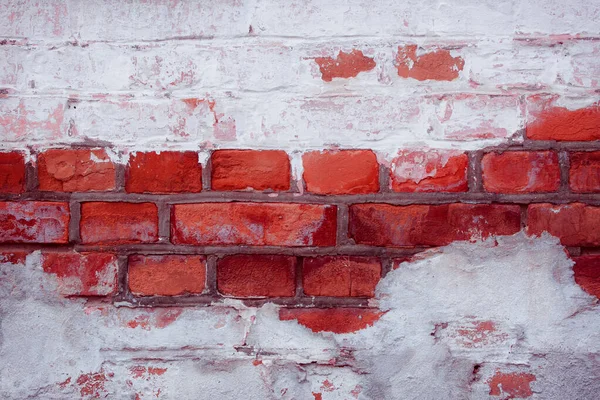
(186, 181)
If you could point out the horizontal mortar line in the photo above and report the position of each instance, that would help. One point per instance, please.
(326, 39)
(253, 197)
(220, 353)
(236, 92)
(208, 300)
(159, 248)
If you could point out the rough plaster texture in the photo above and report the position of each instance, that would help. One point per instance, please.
(457, 320)
(500, 318)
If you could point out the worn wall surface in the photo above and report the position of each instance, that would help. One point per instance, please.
(300, 200)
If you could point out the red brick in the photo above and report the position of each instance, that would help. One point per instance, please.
(345, 65)
(521, 172)
(562, 124)
(429, 171)
(336, 320)
(166, 275)
(587, 273)
(257, 276)
(164, 172)
(69, 170)
(118, 223)
(341, 172)
(437, 65)
(430, 225)
(575, 224)
(511, 385)
(14, 257)
(12, 172)
(34, 222)
(82, 274)
(584, 176)
(262, 224)
(340, 276)
(254, 169)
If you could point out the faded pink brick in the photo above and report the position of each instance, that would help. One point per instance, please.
(34, 222)
(82, 274)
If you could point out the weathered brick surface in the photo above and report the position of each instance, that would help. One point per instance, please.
(250, 169)
(82, 274)
(34, 222)
(73, 170)
(340, 276)
(275, 224)
(429, 171)
(587, 273)
(166, 275)
(521, 172)
(436, 64)
(575, 224)
(563, 124)
(336, 320)
(164, 172)
(341, 172)
(118, 223)
(430, 225)
(12, 172)
(256, 276)
(345, 65)
(584, 174)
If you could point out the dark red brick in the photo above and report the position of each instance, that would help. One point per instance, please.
(584, 175)
(575, 224)
(12, 172)
(257, 276)
(430, 225)
(340, 276)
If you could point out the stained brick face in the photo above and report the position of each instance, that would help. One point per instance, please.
(164, 172)
(12, 172)
(315, 199)
(118, 223)
(256, 276)
(341, 172)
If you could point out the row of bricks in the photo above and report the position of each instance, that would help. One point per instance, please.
(293, 224)
(329, 172)
(240, 276)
